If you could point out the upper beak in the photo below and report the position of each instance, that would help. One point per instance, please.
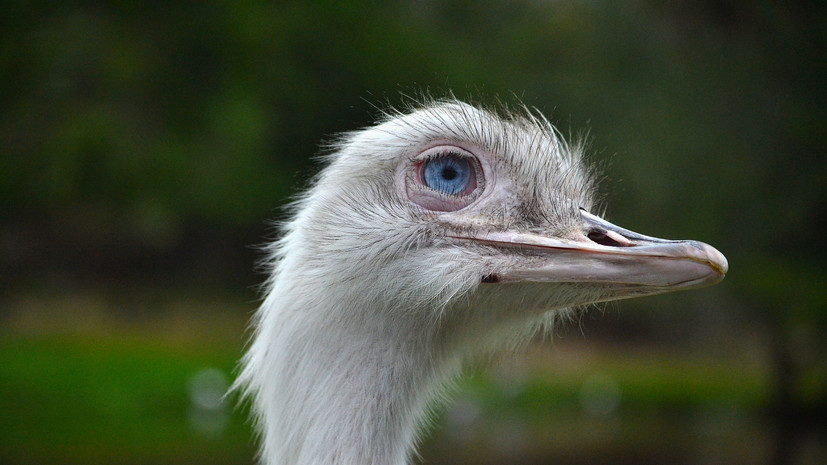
(610, 255)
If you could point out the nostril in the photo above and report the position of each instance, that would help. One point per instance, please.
(605, 238)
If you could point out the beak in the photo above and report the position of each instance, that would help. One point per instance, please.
(625, 262)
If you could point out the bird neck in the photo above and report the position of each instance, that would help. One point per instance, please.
(331, 388)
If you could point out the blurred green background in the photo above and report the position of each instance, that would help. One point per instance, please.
(145, 145)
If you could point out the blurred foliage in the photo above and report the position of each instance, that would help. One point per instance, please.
(135, 137)
(146, 144)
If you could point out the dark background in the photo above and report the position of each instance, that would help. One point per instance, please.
(145, 145)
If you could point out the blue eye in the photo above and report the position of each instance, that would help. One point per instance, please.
(449, 174)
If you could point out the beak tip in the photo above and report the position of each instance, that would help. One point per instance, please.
(717, 261)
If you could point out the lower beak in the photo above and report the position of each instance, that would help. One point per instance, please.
(606, 254)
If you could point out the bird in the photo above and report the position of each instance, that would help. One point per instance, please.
(443, 232)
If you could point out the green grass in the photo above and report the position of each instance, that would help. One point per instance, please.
(645, 380)
(112, 396)
(88, 389)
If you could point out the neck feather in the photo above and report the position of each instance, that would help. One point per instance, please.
(334, 385)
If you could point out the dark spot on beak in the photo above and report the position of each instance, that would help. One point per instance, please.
(490, 278)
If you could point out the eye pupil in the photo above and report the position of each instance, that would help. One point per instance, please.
(449, 174)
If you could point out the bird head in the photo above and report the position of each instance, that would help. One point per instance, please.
(450, 206)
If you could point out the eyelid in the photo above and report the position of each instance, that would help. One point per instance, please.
(441, 150)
